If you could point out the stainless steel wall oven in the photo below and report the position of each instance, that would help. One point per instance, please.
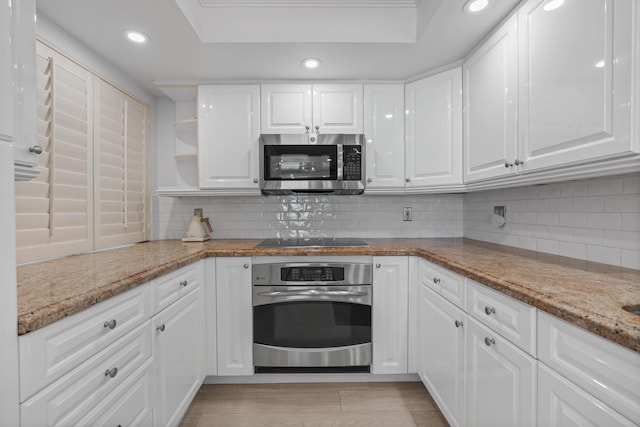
(312, 317)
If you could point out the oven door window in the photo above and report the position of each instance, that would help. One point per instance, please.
(312, 324)
(300, 162)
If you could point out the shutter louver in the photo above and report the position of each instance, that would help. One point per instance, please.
(54, 214)
(120, 182)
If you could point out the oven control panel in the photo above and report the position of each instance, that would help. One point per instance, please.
(311, 274)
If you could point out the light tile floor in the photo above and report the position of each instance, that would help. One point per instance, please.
(395, 404)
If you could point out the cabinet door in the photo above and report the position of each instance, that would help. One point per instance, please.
(177, 344)
(337, 108)
(442, 353)
(563, 404)
(575, 64)
(7, 94)
(501, 381)
(26, 124)
(228, 133)
(384, 133)
(285, 108)
(434, 130)
(490, 99)
(234, 316)
(389, 315)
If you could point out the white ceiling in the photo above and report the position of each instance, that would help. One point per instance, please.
(175, 53)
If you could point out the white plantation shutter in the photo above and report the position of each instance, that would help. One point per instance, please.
(54, 212)
(120, 141)
(92, 192)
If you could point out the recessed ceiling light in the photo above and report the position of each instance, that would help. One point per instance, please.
(311, 63)
(473, 6)
(553, 4)
(136, 37)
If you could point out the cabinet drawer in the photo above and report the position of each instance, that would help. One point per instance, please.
(49, 353)
(446, 283)
(170, 287)
(69, 399)
(606, 370)
(128, 405)
(512, 319)
(561, 403)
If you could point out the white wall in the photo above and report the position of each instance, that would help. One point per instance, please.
(593, 219)
(318, 216)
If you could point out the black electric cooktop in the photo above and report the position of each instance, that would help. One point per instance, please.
(313, 242)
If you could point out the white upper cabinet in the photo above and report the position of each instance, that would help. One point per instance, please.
(6, 74)
(384, 133)
(286, 108)
(434, 131)
(575, 82)
(228, 133)
(490, 100)
(18, 121)
(301, 108)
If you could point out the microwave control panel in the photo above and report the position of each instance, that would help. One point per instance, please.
(352, 169)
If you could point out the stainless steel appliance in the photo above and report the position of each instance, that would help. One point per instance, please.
(312, 163)
(312, 317)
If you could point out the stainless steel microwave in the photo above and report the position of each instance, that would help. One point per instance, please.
(316, 163)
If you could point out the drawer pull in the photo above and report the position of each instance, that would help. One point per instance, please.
(489, 310)
(111, 372)
(489, 341)
(160, 328)
(458, 323)
(378, 265)
(246, 266)
(184, 283)
(110, 324)
(436, 280)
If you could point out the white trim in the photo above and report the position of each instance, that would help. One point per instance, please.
(309, 3)
(311, 378)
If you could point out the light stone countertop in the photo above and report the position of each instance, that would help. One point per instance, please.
(589, 295)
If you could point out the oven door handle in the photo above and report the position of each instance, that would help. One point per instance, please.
(313, 293)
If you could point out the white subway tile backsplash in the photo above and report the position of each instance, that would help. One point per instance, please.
(604, 255)
(596, 219)
(588, 204)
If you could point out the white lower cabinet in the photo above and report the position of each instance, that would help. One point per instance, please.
(441, 363)
(563, 404)
(177, 345)
(234, 316)
(131, 404)
(501, 380)
(70, 399)
(389, 315)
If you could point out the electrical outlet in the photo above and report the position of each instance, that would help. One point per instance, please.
(500, 210)
(198, 212)
(406, 214)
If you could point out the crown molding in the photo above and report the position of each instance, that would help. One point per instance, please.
(310, 3)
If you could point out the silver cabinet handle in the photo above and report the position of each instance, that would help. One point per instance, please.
(255, 180)
(489, 310)
(489, 341)
(35, 149)
(317, 129)
(407, 179)
(184, 283)
(160, 328)
(369, 180)
(378, 265)
(111, 372)
(458, 323)
(307, 129)
(518, 162)
(246, 266)
(436, 280)
(110, 324)
(508, 165)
